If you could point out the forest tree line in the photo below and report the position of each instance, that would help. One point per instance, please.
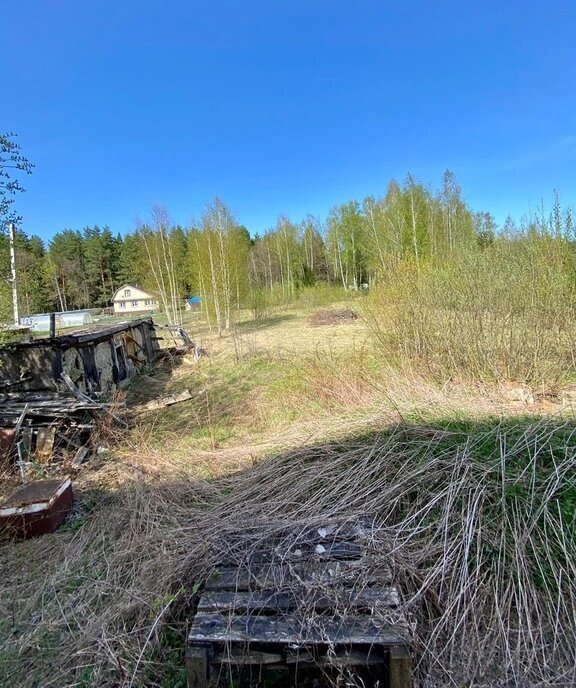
(357, 245)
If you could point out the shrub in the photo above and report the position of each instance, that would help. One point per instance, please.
(502, 313)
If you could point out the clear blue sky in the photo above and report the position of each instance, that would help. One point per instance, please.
(284, 106)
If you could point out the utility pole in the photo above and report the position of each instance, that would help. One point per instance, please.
(13, 271)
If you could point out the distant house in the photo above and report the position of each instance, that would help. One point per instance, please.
(193, 303)
(129, 300)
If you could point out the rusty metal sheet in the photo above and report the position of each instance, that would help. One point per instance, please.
(36, 508)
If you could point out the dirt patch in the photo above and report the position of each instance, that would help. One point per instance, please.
(332, 316)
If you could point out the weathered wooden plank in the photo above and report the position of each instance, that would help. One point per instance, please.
(400, 668)
(329, 549)
(167, 401)
(265, 576)
(45, 443)
(20, 421)
(13, 383)
(349, 531)
(54, 400)
(321, 548)
(240, 655)
(27, 436)
(35, 395)
(291, 629)
(80, 455)
(88, 401)
(372, 656)
(235, 655)
(262, 601)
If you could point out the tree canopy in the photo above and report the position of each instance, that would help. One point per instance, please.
(361, 242)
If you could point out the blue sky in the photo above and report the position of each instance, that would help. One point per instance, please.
(284, 106)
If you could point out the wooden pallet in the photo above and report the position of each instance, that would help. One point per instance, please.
(312, 602)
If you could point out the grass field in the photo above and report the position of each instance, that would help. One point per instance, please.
(289, 423)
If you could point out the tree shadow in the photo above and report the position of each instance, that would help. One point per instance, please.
(137, 561)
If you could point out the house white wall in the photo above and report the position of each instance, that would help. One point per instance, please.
(129, 299)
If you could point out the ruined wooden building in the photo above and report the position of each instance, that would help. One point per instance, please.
(98, 361)
(51, 388)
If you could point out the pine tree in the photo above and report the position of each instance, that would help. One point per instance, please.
(68, 265)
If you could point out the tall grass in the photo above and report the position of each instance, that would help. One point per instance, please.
(502, 313)
(476, 520)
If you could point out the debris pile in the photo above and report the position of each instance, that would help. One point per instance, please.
(54, 391)
(45, 428)
(181, 343)
(334, 316)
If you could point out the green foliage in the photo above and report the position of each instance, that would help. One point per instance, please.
(101, 258)
(259, 303)
(67, 254)
(163, 249)
(323, 294)
(501, 312)
(131, 261)
(347, 244)
(30, 256)
(451, 293)
(12, 162)
(85, 678)
(221, 249)
(525, 476)
(218, 260)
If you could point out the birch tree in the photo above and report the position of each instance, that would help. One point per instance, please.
(346, 239)
(157, 241)
(12, 163)
(221, 258)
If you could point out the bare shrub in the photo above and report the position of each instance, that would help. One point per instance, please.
(505, 313)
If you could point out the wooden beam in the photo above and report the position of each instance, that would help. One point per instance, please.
(197, 667)
(263, 576)
(374, 656)
(260, 601)
(238, 656)
(400, 667)
(287, 629)
(318, 549)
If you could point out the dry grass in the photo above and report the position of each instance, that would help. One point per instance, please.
(74, 610)
(475, 515)
(476, 521)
